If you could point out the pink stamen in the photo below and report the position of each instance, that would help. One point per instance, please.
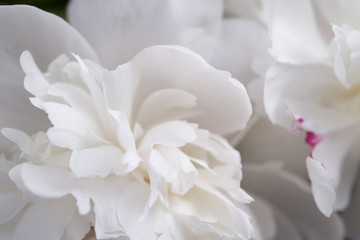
(312, 139)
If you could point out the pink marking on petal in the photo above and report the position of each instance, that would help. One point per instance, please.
(313, 158)
(312, 139)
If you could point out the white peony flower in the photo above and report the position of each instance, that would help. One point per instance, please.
(127, 150)
(314, 88)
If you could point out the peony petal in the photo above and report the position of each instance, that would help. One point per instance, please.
(339, 155)
(122, 29)
(119, 87)
(294, 34)
(42, 181)
(223, 217)
(105, 194)
(169, 104)
(79, 124)
(130, 212)
(101, 161)
(172, 134)
(125, 135)
(175, 167)
(322, 187)
(225, 103)
(49, 37)
(288, 84)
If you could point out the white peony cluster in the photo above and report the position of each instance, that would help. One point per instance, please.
(128, 146)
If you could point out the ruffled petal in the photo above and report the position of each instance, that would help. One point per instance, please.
(101, 161)
(38, 181)
(226, 114)
(121, 28)
(172, 134)
(49, 37)
(169, 104)
(290, 89)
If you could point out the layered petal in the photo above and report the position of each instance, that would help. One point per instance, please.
(291, 94)
(156, 69)
(46, 36)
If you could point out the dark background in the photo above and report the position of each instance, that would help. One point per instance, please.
(54, 6)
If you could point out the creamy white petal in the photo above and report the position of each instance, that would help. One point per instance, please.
(227, 114)
(38, 181)
(170, 104)
(321, 185)
(101, 161)
(130, 212)
(346, 56)
(119, 88)
(227, 220)
(175, 167)
(294, 33)
(125, 136)
(46, 36)
(172, 134)
(69, 119)
(339, 155)
(123, 28)
(289, 84)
